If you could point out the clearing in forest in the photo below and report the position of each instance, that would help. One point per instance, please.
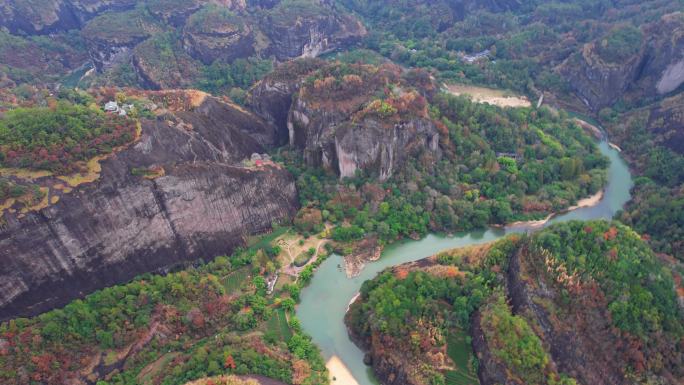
(489, 95)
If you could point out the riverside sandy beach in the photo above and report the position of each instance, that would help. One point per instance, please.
(586, 202)
(339, 373)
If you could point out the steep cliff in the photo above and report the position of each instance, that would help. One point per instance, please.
(308, 28)
(51, 16)
(340, 123)
(203, 204)
(271, 98)
(573, 338)
(216, 33)
(577, 303)
(628, 63)
(111, 37)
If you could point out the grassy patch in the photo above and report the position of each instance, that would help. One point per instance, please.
(92, 174)
(263, 242)
(302, 259)
(148, 172)
(460, 351)
(277, 325)
(146, 375)
(24, 173)
(234, 281)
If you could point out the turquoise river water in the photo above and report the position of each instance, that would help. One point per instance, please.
(325, 301)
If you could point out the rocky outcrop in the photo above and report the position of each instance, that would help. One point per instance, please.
(293, 35)
(161, 63)
(111, 37)
(581, 345)
(107, 232)
(225, 42)
(337, 141)
(338, 121)
(271, 98)
(597, 83)
(24, 16)
(656, 70)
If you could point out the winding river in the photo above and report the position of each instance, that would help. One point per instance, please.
(324, 302)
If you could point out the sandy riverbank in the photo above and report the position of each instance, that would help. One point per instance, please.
(339, 373)
(353, 300)
(586, 202)
(615, 147)
(488, 95)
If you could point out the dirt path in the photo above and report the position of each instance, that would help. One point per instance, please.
(294, 270)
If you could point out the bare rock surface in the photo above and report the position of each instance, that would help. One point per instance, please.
(106, 232)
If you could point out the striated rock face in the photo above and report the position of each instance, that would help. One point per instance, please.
(123, 225)
(335, 142)
(372, 147)
(338, 121)
(50, 16)
(271, 98)
(345, 144)
(226, 42)
(583, 346)
(657, 69)
(596, 83)
(310, 36)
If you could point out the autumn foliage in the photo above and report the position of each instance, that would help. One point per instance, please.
(57, 138)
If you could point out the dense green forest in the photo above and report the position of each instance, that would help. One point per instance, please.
(214, 319)
(524, 40)
(657, 206)
(499, 166)
(583, 268)
(638, 288)
(596, 281)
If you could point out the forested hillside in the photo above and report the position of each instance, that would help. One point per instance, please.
(216, 319)
(172, 174)
(517, 303)
(490, 165)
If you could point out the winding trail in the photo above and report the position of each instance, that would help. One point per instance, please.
(325, 302)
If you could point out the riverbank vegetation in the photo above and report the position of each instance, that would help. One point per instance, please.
(657, 205)
(566, 277)
(542, 48)
(498, 166)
